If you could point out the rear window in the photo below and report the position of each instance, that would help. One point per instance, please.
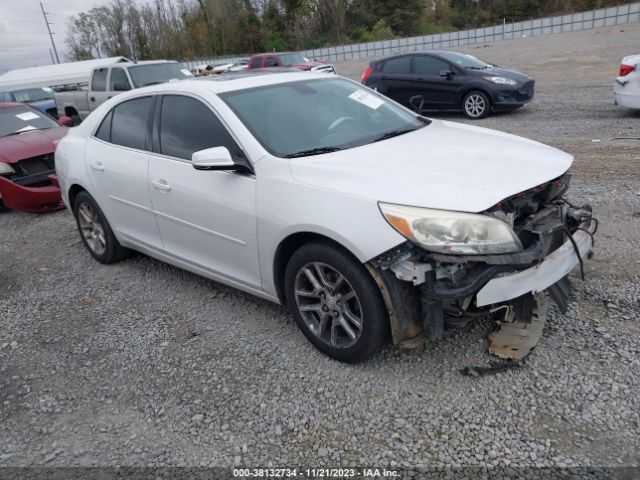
(397, 65)
(256, 62)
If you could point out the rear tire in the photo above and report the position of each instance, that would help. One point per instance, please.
(476, 105)
(335, 302)
(95, 231)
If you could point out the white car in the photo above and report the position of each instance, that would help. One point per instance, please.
(369, 221)
(627, 86)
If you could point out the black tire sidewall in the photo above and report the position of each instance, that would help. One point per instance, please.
(113, 251)
(487, 102)
(375, 329)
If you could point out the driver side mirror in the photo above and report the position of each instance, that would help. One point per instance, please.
(121, 87)
(216, 158)
(448, 74)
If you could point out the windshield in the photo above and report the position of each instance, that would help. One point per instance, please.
(465, 61)
(319, 115)
(150, 74)
(32, 95)
(289, 59)
(22, 119)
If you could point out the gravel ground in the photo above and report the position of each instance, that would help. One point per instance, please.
(140, 363)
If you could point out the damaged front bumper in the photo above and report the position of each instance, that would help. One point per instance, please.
(429, 294)
(33, 194)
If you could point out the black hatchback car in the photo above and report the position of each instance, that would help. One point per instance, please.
(438, 80)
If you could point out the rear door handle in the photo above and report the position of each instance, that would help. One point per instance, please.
(161, 185)
(93, 99)
(98, 167)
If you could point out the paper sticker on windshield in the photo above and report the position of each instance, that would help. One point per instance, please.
(26, 116)
(27, 128)
(186, 72)
(367, 99)
(47, 89)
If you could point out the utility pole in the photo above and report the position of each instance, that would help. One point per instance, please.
(44, 14)
(52, 60)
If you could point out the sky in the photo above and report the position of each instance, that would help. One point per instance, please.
(24, 41)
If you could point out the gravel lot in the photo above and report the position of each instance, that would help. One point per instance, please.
(143, 364)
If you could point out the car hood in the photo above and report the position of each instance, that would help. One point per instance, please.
(309, 65)
(29, 144)
(502, 72)
(445, 165)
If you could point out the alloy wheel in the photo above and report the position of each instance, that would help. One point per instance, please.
(328, 305)
(475, 105)
(91, 228)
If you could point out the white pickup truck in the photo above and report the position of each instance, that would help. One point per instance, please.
(111, 80)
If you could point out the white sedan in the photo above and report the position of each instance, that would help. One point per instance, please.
(370, 222)
(626, 87)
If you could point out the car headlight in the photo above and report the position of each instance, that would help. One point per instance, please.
(6, 169)
(501, 80)
(444, 231)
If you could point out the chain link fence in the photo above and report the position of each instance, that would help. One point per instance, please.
(603, 17)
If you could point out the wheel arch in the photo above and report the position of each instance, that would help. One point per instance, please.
(70, 110)
(74, 190)
(289, 245)
(475, 88)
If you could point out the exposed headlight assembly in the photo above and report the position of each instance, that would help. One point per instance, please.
(501, 80)
(6, 169)
(443, 231)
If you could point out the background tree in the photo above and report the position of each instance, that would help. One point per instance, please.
(189, 29)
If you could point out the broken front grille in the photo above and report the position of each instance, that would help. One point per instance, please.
(34, 165)
(518, 208)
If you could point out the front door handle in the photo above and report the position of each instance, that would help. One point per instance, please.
(93, 99)
(161, 185)
(98, 167)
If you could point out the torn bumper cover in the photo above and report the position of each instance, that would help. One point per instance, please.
(553, 268)
(430, 294)
(33, 194)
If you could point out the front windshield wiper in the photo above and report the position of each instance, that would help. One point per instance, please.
(313, 151)
(25, 131)
(395, 133)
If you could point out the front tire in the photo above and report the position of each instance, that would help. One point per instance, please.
(95, 231)
(335, 302)
(476, 105)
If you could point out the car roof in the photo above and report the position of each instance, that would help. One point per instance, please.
(274, 53)
(133, 64)
(419, 52)
(229, 82)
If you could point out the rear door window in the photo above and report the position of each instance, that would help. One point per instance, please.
(427, 65)
(187, 125)
(400, 66)
(129, 125)
(104, 132)
(99, 82)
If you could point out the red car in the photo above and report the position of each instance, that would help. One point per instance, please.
(293, 60)
(27, 141)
